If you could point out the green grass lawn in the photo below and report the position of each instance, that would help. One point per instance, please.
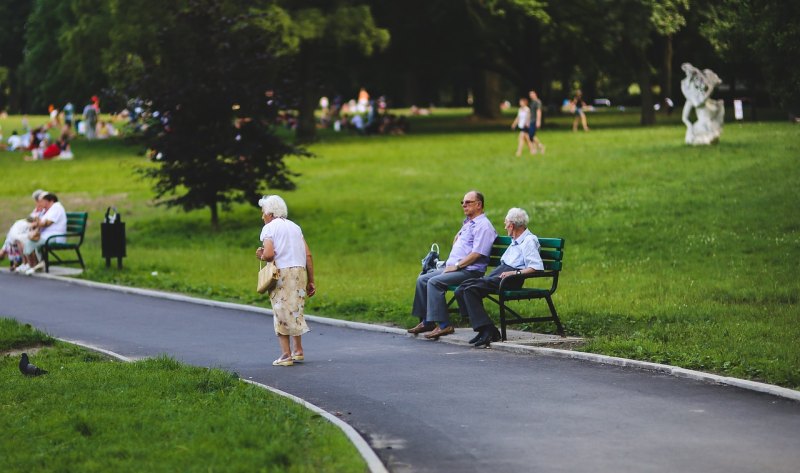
(674, 254)
(92, 414)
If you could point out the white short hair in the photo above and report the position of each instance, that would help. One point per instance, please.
(38, 194)
(518, 217)
(274, 205)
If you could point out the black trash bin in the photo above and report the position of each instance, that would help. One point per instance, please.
(112, 237)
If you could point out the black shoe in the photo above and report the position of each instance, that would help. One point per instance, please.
(481, 331)
(488, 336)
(475, 338)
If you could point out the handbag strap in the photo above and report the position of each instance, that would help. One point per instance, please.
(435, 245)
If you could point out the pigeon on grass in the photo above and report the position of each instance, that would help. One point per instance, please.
(29, 369)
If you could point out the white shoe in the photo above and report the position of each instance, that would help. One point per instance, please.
(39, 266)
(23, 267)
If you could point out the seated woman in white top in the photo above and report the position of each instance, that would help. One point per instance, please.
(53, 222)
(18, 234)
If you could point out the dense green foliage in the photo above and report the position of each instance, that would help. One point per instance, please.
(673, 254)
(439, 52)
(92, 414)
(203, 77)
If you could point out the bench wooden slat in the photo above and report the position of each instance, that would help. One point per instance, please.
(554, 243)
(552, 265)
(554, 255)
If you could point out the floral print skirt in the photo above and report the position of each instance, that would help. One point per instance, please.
(288, 299)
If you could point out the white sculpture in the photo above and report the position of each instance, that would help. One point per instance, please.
(697, 87)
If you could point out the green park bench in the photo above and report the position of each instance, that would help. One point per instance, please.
(76, 228)
(552, 252)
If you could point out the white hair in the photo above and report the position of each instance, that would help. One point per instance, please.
(273, 205)
(518, 217)
(38, 194)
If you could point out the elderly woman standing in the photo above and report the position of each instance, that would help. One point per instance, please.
(284, 244)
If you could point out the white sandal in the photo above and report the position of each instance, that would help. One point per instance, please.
(283, 361)
(298, 357)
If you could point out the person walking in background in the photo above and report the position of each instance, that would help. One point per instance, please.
(577, 105)
(536, 122)
(89, 121)
(54, 122)
(522, 123)
(521, 257)
(283, 243)
(69, 114)
(468, 259)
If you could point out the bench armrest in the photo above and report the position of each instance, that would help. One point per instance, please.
(523, 277)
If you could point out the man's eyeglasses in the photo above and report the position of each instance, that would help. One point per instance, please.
(468, 202)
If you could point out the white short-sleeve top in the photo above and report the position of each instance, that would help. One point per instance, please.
(58, 216)
(287, 238)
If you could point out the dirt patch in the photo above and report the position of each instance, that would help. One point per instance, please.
(19, 351)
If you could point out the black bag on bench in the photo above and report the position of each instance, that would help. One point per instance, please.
(430, 260)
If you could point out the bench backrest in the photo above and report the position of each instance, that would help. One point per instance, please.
(551, 250)
(76, 222)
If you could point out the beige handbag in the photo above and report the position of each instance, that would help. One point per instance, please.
(267, 277)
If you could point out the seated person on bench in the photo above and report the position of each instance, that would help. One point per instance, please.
(53, 222)
(18, 233)
(468, 259)
(521, 257)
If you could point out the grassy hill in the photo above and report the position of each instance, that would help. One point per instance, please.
(674, 254)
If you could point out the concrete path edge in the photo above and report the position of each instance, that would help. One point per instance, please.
(374, 463)
(505, 346)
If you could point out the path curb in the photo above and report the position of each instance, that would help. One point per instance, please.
(374, 463)
(778, 391)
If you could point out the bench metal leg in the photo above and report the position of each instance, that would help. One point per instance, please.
(80, 258)
(502, 320)
(555, 315)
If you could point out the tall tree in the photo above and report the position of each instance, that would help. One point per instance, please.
(504, 43)
(13, 15)
(322, 32)
(764, 33)
(201, 65)
(64, 43)
(668, 18)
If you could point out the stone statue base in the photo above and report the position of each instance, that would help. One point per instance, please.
(708, 127)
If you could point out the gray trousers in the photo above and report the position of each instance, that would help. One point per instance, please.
(430, 304)
(470, 294)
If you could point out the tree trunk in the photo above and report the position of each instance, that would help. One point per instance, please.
(411, 89)
(486, 94)
(214, 215)
(306, 122)
(306, 130)
(648, 116)
(666, 85)
(15, 98)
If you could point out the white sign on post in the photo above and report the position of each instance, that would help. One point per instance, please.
(738, 113)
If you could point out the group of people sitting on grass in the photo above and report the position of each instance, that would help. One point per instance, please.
(39, 143)
(27, 236)
(465, 267)
(365, 116)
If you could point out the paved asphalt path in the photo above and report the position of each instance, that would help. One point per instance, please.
(433, 407)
